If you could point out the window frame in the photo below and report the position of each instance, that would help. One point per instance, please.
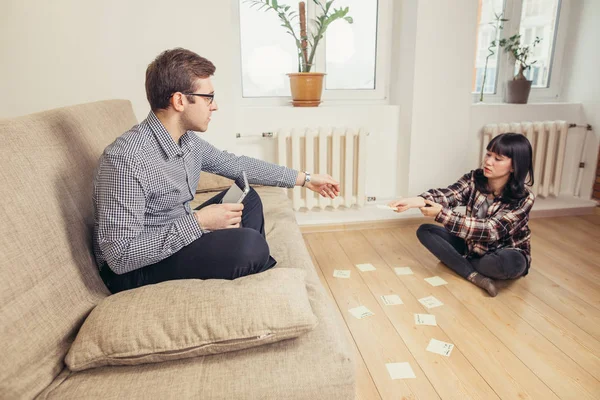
(378, 95)
(513, 10)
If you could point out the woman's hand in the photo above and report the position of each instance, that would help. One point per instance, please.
(431, 209)
(402, 205)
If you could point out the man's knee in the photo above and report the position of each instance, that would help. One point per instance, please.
(253, 196)
(252, 249)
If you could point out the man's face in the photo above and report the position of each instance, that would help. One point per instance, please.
(196, 116)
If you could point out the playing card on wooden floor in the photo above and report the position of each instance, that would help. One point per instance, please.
(439, 347)
(403, 271)
(391, 300)
(341, 273)
(360, 312)
(430, 302)
(400, 370)
(436, 281)
(365, 267)
(425, 319)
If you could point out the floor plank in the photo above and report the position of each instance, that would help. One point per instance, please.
(375, 336)
(557, 370)
(504, 372)
(365, 387)
(538, 339)
(453, 377)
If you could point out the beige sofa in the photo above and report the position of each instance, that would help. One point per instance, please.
(49, 283)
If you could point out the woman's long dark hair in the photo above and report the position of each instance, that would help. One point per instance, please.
(516, 147)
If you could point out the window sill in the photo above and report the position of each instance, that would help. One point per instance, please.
(534, 104)
(252, 102)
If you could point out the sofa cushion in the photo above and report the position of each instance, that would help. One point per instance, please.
(211, 183)
(49, 279)
(190, 318)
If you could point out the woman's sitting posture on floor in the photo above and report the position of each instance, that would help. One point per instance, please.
(492, 240)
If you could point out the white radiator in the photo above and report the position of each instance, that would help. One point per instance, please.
(337, 152)
(548, 140)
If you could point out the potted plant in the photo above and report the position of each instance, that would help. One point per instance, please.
(517, 90)
(498, 24)
(306, 86)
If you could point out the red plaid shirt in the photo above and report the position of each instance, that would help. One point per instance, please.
(505, 225)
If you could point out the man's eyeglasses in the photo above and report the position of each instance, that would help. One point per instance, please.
(206, 96)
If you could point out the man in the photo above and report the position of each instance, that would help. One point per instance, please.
(145, 231)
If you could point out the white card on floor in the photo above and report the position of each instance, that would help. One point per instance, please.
(425, 319)
(341, 273)
(430, 302)
(439, 347)
(403, 271)
(400, 370)
(365, 267)
(391, 300)
(361, 312)
(384, 207)
(436, 281)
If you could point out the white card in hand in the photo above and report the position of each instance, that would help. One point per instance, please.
(439, 347)
(341, 273)
(403, 271)
(400, 370)
(365, 267)
(391, 300)
(430, 302)
(436, 281)
(384, 207)
(425, 319)
(360, 312)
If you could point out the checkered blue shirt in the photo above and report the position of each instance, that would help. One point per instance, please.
(143, 187)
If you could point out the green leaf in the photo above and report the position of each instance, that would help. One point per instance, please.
(275, 5)
(349, 19)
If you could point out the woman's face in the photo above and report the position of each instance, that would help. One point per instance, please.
(496, 166)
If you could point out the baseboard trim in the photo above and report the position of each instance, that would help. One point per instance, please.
(363, 225)
(403, 222)
(563, 212)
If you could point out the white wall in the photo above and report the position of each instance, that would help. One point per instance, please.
(582, 77)
(402, 74)
(441, 99)
(68, 51)
(62, 52)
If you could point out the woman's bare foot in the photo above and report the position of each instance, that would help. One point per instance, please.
(483, 282)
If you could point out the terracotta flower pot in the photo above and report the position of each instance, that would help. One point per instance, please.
(517, 91)
(307, 88)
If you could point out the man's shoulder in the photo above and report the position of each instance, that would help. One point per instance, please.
(131, 143)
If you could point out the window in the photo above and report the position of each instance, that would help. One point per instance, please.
(539, 19)
(268, 54)
(486, 33)
(350, 54)
(531, 19)
(351, 50)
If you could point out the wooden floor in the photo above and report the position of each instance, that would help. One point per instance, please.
(538, 339)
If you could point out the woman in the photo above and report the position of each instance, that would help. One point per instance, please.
(492, 240)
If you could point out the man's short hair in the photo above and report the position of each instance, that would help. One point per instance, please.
(174, 71)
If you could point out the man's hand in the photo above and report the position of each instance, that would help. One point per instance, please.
(220, 216)
(325, 185)
(402, 205)
(431, 209)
